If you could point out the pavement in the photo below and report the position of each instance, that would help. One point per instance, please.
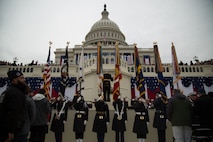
(89, 136)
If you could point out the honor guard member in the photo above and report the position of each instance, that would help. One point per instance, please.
(119, 119)
(160, 117)
(101, 118)
(81, 117)
(60, 117)
(141, 119)
(107, 86)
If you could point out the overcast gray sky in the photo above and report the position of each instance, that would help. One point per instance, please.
(27, 26)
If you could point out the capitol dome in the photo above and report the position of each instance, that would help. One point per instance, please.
(105, 31)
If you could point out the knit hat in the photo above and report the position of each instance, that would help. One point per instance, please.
(14, 74)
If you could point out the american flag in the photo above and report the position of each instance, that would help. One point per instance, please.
(64, 73)
(118, 75)
(140, 81)
(47, 75)
(159, 70)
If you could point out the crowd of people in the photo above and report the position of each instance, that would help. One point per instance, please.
(25, 115)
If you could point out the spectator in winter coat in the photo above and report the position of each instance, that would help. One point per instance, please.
(13, 108)
(39, 127)
(179, 113)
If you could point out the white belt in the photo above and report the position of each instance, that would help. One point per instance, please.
(140, 113)
(83, 112)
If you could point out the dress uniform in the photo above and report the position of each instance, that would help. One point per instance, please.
(119, 119)
(81, 117)
(107, 86)
(160, 118)
(101, 119)
(141, 119)
(59, 118)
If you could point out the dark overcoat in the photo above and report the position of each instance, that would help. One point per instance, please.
(101, 117)
(13, 110)
(159, 121)
(81, 114)
(141, 118)
(120, 109)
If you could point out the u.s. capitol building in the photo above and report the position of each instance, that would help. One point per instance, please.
(108, 33)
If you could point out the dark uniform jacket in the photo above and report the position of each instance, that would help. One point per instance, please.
(60, 116)
(141, 118)
(160, 114)
(81, 114)
(13, 110)
(101, 117)
(120, 116)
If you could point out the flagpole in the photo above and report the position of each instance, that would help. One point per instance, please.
(81, 78)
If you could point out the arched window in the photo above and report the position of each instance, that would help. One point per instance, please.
(148, 69)
(198, 69)
(112, 61)
(182, 68)
(132, 69)
(107, 61)
(193, 69)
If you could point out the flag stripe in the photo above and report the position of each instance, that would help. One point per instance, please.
(118, 75)
(47, 76)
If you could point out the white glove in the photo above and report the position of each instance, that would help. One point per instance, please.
(64, 121)
(107, 123)
(85, 122)
(125, 121)
(79, 98)
(147, 123)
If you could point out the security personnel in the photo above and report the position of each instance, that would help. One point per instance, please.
(141, 119)
(160, 118)
(101, 118)
(107, 86)
(119, 119)
(81, 117)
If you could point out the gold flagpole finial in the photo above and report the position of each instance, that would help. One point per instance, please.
(155, 43)
(50, 43)
(99, 43)
(68, 43)
(116, 43)
(83, 42)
